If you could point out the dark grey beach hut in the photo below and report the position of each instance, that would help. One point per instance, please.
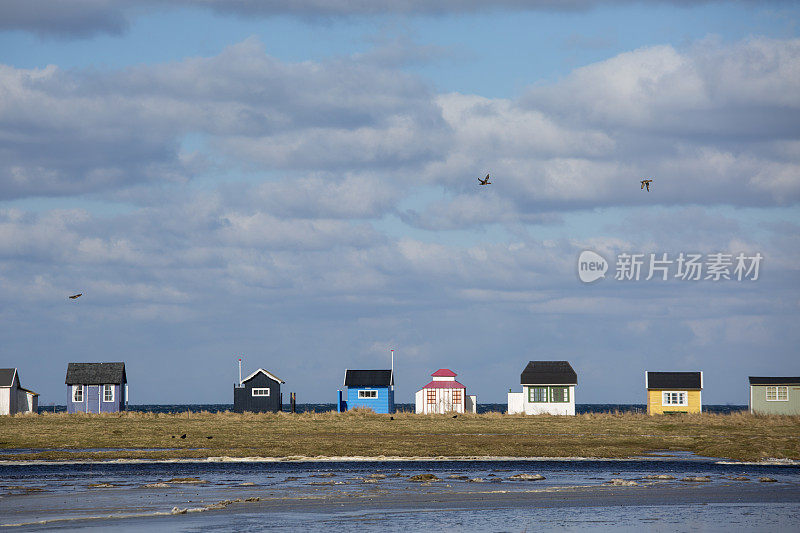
(260, 392)
(96, 388)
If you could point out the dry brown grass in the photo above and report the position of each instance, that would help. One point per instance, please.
(362, 433)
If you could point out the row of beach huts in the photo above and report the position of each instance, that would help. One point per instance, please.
(548, 387)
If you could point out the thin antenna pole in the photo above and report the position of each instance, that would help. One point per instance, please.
(392, 376)
(240, 371)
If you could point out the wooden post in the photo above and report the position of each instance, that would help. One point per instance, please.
(292, 400)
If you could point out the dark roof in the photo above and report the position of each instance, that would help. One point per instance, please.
(7, 376)
(674, 380)
(774, 380)
(548, 373)
(95, 373)
(368, 378)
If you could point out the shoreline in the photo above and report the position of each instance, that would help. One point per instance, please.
(407, 459)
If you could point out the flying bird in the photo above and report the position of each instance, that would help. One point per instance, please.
(76, 296)
(485, 181)
(646, 183)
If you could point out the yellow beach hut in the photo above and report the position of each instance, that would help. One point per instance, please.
(674, 392)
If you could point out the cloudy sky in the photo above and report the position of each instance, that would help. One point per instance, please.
(295, 183)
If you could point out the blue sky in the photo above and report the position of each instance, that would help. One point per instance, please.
(298, 186)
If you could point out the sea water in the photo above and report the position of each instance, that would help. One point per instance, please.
(380, 495)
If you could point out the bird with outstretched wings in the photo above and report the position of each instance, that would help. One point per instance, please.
(646, 183)
(485, 181)
(76, 296)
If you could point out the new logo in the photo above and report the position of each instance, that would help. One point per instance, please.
(591, 266)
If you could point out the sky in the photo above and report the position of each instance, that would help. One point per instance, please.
(295, 183)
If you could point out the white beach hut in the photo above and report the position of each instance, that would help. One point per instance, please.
(13, 398)
(444, 395)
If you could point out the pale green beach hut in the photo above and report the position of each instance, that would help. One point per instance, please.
(775, 395)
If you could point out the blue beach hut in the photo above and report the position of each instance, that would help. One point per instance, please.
(373, 389)
(96, 388)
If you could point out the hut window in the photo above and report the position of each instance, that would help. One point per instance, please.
(537, 394)
(367, 394)
(260, 392)
(779, 393)
(559, 394)
(77, 393)
(431, 396)
(108, 393)
(456, 396)
(673, 398)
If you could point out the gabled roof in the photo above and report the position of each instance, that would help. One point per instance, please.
(444, 373)
(673, 380)
(774, 380)
(368, 378)
(7, 376)
(271, 376)
(444, 385)
(29, 391)
(95, 373)
(548, 373)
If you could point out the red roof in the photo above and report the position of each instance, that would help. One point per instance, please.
(444, 385)
(444, 373)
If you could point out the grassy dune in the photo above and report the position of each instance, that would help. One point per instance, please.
(738, 436)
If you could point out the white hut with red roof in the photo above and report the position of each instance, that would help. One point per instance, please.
(444, 395)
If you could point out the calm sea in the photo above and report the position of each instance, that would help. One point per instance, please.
(403, 407)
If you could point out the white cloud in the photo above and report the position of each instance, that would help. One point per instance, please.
(740, 90)
(362, 195)
(69, 132)
(714, 124)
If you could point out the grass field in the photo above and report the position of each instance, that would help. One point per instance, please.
(739, 436)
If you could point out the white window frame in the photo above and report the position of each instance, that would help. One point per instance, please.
(260, 392)
(777, 390)
(106, 388)
(76, 389)
(367, 394)
(682, 397)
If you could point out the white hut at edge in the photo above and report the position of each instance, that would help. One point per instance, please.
(13, 397)
(444, 395)
(548, 387)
